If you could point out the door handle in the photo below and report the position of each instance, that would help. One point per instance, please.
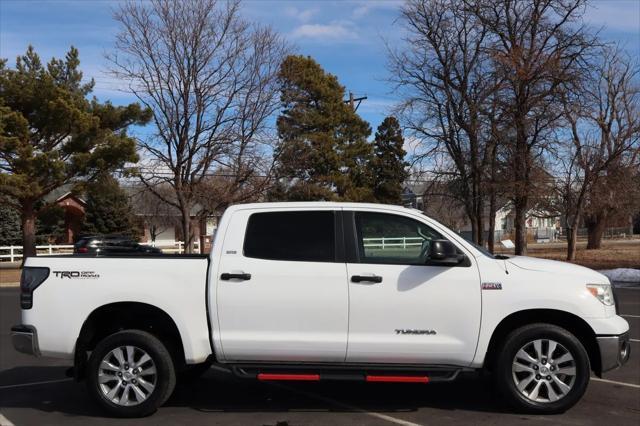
(241, 277)
(373, 279)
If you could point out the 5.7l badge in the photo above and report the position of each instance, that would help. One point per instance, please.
(492, 286)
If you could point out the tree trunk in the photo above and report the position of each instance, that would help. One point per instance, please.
(572, 238)
(596, 225)
(474, 229)
(28, 230)
(186, 229)
(520, 218)
(476, 206)
(480, 226)
(491, 238)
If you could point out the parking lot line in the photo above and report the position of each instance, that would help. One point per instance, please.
(634, 340)
(4, 421)
(35, 383)
(629, 316)
(349, 407)
(613, 382)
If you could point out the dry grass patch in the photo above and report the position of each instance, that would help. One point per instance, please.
(9, 276)
(613, 254)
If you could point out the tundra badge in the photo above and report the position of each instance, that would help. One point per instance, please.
(413, 331)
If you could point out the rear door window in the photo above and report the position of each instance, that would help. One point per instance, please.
(294, 236)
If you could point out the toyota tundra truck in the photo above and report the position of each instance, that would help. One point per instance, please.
(320, 291)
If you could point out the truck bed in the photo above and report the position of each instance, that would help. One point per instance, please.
(79, 284)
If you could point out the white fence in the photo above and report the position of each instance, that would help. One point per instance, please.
(385, 242)
(168, 246)
(14, 253)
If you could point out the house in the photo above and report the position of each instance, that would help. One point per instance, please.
(541, 224)
(160, 223)
(74, 208)
(431, 197)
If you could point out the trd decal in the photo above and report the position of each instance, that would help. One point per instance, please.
(80, 275)
(492, 286)
(413, 331)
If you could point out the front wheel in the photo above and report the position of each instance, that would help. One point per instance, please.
(130, 374)
(542, 368)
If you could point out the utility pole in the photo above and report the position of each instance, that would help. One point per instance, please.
(352, 101)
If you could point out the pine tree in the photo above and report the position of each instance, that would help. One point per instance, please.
(9, 225)
(323, 152)
(108, 210)
(389, 167)
(50, 223)
(51, 134)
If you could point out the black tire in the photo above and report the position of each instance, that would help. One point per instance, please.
(165, 377)
(506, 378)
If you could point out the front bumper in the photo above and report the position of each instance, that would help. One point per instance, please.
(25, 339)
(614, 351)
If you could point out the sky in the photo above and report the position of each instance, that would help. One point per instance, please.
(347, 38)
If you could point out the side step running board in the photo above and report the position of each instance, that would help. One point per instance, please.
(398, 379)
(291, 377)
(366, 373)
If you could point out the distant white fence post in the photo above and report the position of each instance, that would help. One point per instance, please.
(14, 253)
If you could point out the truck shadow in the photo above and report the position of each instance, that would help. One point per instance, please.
(220, 392)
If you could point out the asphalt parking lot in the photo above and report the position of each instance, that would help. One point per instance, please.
(34, 391)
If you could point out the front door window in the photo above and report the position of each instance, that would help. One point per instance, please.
(391, 239)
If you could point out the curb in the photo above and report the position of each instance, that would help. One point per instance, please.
(9, 285)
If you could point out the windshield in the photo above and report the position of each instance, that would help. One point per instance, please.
(479, 248)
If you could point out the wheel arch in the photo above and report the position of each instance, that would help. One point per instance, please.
(571, 322)
(113, 317)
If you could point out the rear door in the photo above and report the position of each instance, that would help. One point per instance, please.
(403, 310)
(282, 290)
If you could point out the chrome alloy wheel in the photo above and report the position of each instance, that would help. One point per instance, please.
(127, 376)
(544, 371)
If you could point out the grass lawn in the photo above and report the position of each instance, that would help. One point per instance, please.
(9, 276)
(613, 254)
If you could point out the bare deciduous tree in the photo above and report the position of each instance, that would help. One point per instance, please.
(442, 72)
(209, 77)
(158, 216)
(604, 122)
(538, 47)
(615, 197)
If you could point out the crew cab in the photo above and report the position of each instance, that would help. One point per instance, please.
(323, 291)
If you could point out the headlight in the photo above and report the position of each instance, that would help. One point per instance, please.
(602, 292)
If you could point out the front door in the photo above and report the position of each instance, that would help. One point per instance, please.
(400, 309)
(285, 295)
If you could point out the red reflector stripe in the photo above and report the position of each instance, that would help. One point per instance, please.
(398, 379)
(300, 377)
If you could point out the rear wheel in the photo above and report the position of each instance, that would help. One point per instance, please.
(130, 374)
(542, 368)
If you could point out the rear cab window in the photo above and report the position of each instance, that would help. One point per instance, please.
(305, 236)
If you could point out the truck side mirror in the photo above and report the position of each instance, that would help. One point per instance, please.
(444, 253)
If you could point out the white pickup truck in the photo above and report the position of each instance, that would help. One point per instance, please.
(322, 291)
